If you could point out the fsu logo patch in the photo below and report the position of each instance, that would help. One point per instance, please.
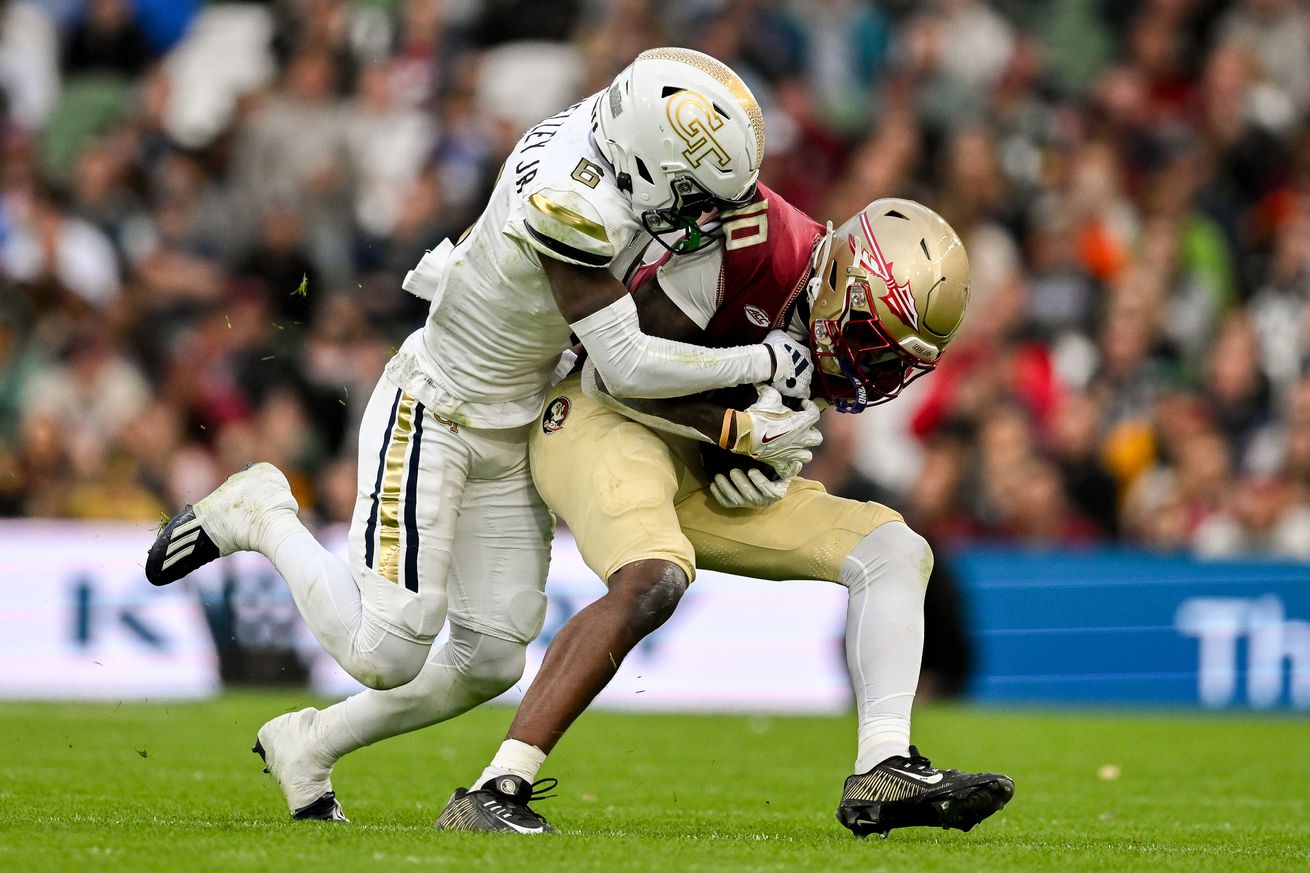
(756, 316)
(556, 411)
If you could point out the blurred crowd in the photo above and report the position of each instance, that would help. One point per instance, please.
(206, 210)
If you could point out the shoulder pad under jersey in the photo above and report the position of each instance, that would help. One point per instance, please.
(565, 225)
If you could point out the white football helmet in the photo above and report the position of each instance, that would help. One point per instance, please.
(684, 134)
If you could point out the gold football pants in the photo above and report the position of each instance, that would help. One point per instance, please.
(629, 493)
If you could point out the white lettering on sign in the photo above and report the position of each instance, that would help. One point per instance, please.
(1219, 624)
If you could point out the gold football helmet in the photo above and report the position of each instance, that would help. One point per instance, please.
(888, 292)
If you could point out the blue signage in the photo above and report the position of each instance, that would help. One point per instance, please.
(1118, 626)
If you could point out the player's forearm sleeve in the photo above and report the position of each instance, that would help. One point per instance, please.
(594, 388)
(635, 364)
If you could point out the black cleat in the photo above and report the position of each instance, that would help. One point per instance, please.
(500, 806)
(326, 808)
(909, 792)
(181, 547)
(250, 504)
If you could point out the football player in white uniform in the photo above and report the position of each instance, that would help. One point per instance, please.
(447, 523)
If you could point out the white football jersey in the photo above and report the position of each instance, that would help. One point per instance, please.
(494, 334)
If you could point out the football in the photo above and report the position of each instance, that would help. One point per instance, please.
(716, 460)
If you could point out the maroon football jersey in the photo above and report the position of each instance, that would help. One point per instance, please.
(764, 263)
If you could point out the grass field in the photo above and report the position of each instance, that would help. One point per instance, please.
(174, 787)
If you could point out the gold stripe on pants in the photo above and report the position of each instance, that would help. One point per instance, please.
(388, 560)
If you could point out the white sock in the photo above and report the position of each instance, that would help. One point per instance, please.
(336, 734)
(469, 669)
(323, 587)
(328, 597)
(885, 731)
(887, 575)
(513, 757)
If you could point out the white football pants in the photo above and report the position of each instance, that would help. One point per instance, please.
(446, 522)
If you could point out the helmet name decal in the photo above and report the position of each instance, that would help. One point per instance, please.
(694, 120)
(898, 297)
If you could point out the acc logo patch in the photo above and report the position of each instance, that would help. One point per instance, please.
(556, 411)
(756, 316)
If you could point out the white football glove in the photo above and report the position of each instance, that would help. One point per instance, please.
(780, 437)
(743, 489)
(793, 369)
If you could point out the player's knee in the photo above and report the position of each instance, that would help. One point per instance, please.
(893, 551)
(495, 674)
(394, 663)
(649, 591)
(488, 666)
(914, 552)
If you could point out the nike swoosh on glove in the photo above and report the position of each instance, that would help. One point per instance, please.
(792, 367)
(781, 437)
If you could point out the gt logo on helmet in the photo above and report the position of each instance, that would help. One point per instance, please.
(694, 120)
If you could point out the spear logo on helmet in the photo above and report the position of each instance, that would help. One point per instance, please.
(898, 297)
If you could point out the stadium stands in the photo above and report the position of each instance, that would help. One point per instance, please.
(1132, 181)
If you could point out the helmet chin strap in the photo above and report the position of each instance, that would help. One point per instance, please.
(821, 251)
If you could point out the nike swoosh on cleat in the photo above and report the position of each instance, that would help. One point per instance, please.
(927, 780)
(522, 829)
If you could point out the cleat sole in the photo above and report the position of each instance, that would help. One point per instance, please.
(326, 808)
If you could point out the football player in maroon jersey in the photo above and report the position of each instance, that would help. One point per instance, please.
(696, 482)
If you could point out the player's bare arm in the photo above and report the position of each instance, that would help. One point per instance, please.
(580, 291)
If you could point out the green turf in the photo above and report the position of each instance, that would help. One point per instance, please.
(174, 787)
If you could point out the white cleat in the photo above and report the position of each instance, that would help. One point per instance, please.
(252, 510)
(292, 751)
(249, 510)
